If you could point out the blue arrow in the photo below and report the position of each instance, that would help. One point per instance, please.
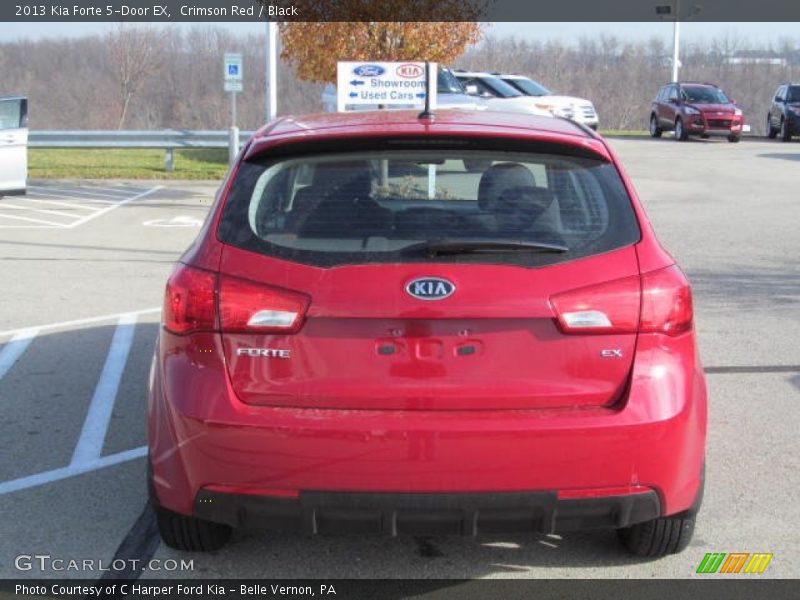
(356, 82)
(421, 95)
(353, 94)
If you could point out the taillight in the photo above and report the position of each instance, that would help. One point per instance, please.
(189, 303)
(666, 302)
(610, 307)
(658, 302)
(250, 307)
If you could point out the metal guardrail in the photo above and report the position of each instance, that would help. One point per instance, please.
(168, 139)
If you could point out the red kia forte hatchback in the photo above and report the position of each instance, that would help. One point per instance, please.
(367, 336)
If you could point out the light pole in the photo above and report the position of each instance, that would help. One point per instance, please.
(671, 12)
(676, 44)
(271, 91)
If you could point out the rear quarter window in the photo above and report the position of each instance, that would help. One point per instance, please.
(383, 206)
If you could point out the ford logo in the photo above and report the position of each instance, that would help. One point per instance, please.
(369, 70)
(430, 288)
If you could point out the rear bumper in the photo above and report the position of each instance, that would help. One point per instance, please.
(202, 440)
(398, 514)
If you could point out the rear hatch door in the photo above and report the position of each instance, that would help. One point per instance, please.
(388, 327)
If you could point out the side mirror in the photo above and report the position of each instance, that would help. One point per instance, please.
(674, 101)
(471, 89)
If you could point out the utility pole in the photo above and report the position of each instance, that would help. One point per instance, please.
(676, 43)
(671, 12)
(271, 92)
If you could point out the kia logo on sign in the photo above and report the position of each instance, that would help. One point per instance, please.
(430, 288)
(410, 71)
(369, 70)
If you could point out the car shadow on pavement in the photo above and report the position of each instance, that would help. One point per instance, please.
(748, 286)
(512, 553)
(297, 556)
(781, 156)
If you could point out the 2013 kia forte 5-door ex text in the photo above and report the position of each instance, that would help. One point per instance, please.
(366, 337)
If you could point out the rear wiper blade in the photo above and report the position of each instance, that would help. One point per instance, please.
(477, 246)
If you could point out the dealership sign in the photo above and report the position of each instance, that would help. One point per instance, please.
(383, 84)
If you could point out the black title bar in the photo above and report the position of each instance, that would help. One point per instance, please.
(743, 587)
(398, 10)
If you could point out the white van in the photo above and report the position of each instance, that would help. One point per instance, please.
(13, 145)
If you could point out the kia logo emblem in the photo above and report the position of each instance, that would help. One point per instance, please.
(430, 288)
(410, 71)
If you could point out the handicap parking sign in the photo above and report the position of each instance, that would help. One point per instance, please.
(233, 67)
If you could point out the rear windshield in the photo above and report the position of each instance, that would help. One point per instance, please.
(390, 206)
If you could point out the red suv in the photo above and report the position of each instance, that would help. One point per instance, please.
(368, 337)
(695, 109)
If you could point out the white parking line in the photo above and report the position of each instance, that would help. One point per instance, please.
(58, 203)
(58, 213)
(74, 199)
(61, 324)
(93, 435)
(30, 481)
(87, 454)
(56, 198)
(112, 193)
(100, 213)
(15, 348)
(18, 218)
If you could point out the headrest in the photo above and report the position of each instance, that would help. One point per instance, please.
(346, 180)
(497, 178)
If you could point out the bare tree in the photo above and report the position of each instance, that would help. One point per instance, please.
(169, 78)
(136, 54)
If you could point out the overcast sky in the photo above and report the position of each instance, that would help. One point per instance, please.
(759, 33)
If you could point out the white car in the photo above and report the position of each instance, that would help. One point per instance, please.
(579, 110)
(499, 95)
(13, 145)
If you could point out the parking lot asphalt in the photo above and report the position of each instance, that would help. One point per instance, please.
(80, 313)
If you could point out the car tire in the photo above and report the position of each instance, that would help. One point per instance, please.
(734, 138)
(190, 534)
(476, 165)
(772, 133)
(664, 535)
(659, 537)
(784, 131)
(182, 532)
(680, 132)
(655, 130)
